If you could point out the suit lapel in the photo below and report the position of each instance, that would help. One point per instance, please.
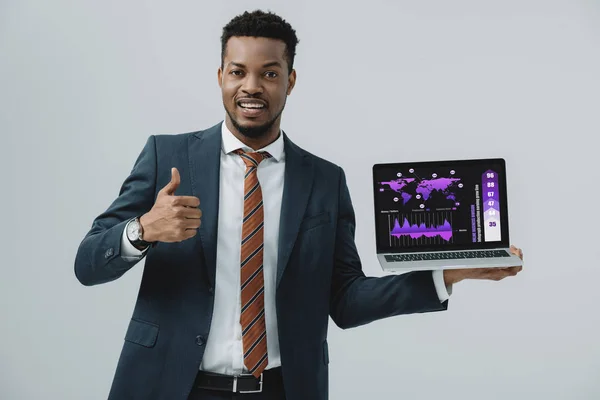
(298, 180)
(205, 166)
(205, 163)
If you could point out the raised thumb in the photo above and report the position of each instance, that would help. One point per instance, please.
(174, 183)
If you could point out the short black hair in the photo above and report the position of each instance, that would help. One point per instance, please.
(261, 24)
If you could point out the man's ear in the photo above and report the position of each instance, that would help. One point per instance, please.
(291, 82)
(220, 77)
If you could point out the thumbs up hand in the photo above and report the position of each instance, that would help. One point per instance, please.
(172, 218)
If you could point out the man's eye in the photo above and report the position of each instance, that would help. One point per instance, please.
(236, 72)
(272, 74)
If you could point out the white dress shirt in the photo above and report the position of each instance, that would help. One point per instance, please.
(224, 348)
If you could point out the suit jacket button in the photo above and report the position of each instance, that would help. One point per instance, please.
(200, 340)
(109, 253)
(211, 290)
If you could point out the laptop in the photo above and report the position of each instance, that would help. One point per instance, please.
(434, 215)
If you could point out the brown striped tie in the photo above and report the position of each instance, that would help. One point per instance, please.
(254, 330)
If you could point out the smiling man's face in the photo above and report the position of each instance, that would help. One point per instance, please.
(255, 83)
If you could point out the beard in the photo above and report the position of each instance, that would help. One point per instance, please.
(254, 132)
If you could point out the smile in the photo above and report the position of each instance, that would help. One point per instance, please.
(252, 107)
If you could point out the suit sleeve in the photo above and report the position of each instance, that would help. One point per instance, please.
(356, 299)
(98, 258)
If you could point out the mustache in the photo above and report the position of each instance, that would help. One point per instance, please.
(251, 98)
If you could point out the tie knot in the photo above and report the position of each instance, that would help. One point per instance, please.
(252, 159)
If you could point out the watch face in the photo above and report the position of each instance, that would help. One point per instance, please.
(133, 230)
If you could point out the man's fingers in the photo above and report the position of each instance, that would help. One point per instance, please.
(518, 269)
(192, 223)
(190, 233)
(188, 201)
(516, 251)
(188, 212)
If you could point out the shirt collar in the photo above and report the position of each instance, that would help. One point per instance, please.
(230, 143)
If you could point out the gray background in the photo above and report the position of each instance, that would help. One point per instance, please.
(83, 84)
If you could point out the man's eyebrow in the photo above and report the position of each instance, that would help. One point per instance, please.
(273, 64)
(269, 64)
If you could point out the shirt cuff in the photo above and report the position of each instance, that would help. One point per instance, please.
(128, 251)
(442, 290)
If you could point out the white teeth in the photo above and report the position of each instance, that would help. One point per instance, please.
(251, 105)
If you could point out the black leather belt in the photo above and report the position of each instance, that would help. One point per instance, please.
(238, 384)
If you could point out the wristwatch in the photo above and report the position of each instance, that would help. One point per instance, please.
(135, 234)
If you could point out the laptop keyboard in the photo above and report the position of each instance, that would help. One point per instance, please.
(450, 255)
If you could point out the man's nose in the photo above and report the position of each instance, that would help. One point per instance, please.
(252, 85)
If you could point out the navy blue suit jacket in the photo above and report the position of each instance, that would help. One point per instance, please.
(319, 272)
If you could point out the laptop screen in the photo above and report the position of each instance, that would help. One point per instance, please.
(445, 205)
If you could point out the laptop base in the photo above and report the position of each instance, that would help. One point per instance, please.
(441, 260)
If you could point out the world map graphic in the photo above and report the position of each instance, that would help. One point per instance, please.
(425, 188)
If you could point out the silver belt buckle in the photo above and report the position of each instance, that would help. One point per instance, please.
(260, 385)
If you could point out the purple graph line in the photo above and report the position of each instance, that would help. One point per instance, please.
(416, 231)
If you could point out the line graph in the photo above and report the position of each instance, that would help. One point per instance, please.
(420, 228)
